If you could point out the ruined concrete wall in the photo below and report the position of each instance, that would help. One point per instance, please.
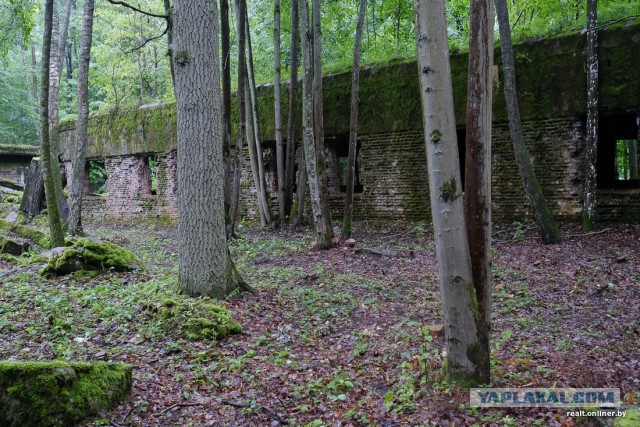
(552, 93)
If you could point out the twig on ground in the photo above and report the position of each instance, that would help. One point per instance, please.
(124, 420)
(174, 406)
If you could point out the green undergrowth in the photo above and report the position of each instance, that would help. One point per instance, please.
(198, 319)
(59, 393)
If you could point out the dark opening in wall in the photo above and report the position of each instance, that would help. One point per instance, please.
(618, 158)
(340, 147)
(97, 177)
(152, 173)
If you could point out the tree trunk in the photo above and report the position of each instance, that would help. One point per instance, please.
(33, 190)
(298, 207)
(253, 155)
(240, 6)
(353, 127)
(464, 354)
(82, 137)
(226, 105)
(477, 194)
(204, 263)
(591, 144)
(167, 11)
(277, 109)
(54, 104)
(542, 214)
(321, 223)
(55, 224)
(289, 177)
(263, 195)
(35, 79)
(632, 145)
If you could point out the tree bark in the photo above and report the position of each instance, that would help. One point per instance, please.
(591, 144)
(548, 229)
(253, 155)
(321, 223)
(632, 145)
(353, 127)
(226, 105)
(454, 267)
(240, 7)
(55, 224)
(33, 190)
(82, 137)
(277, 109)
(298, 207)
(318, 130)
(263, 195)
(204, 263)
(477, 194)
(54, 104)
(293, 112)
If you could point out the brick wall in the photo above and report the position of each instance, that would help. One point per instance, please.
(128, 187)
(167, 178)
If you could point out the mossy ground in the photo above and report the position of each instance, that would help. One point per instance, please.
(43, 394)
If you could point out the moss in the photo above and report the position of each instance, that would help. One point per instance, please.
(449, 190)
(87, 254)
(631, 419)
(36, 236)
(12, 198)
(198, 320)
(59, 393)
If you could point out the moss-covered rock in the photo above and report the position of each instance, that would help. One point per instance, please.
(41, 394)
(13, 246)
(196, 319)
(35, 236)
(87, 254)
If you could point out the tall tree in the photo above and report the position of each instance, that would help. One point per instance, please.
(204, 263)
(225, 36)
(463, 341)
(321, 218)
(277, 109)
(240, 6)
(591, 144)
(477, 194)
(289, 177)
(353, 126)
(542, 214)
(82, 137)
(261, 185)
(55, 223)
(318, 131)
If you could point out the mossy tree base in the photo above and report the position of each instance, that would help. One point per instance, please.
(86, 254)
(41, 394)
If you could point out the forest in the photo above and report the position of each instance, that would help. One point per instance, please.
(188, 238)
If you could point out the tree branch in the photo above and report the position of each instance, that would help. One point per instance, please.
(146, 42)
(127, 5)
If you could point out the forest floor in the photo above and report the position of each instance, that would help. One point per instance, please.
(339, 338)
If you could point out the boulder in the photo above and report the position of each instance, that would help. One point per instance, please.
(89, 255)
(15, 247)
(57, 394)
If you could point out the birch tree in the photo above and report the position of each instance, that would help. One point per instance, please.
(204, 263)
(463, 337)
(55, 223)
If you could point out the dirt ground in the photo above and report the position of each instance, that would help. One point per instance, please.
(343, 337)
